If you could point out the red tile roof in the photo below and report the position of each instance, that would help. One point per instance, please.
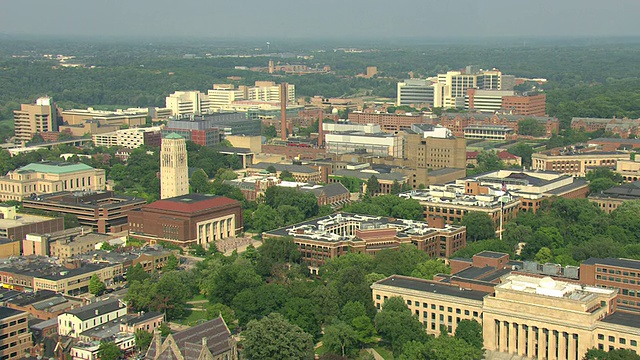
(472, 154)
(191, 203)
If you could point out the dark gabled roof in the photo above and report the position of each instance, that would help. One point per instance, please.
(102, 307)
(144, 317)
(335, 189)
(190, 341)
(431, 287)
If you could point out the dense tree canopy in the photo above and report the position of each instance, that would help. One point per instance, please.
(273, 337)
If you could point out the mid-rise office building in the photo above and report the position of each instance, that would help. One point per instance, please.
(576, 161)
(426, 151)
(380, 144)
(391, 123)
(489, 132)
(15, 338)
(206, 130)
(420, 92)
(458, 122)
(188, 102)
(130, 138)
(130, 118)
(48, 177)
(330, 236)
(223, 95)
(270, 91)
(530, 104)
(41, 117)
(103, 211)
(453, 201)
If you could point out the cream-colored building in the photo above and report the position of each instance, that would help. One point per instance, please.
(174, 173)
(75, 321)
(629, 169)
(119, 117)
(576, 163)
(129, 138)
(253, 143)
(270, 91)
(456, 83)
(35, 118)
(50, 177)
(526, 317)
(188, 102)
(223, 95)
(76, 281)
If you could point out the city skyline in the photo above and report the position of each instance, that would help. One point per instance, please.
(343, 20)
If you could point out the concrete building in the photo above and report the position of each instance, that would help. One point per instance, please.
(457, 122)
(531, 104)
(103, 211)
(49, 177)
(174, 174)
(188, 102)
(253, 143)
(610, 199)
(390, 123)
(456, 83)
(629, 169)
(223, 95)
(15, 226)
(188, 219)
(43, 304)
(15, 338)
(485, 100)
(531, 187)
(207, 129)
(41, 117)
(130, 118)
(489, 132)
(87, 317)
(425, 151)
(270, 91)
(330, 236)
(576, 161)
(342, 126)
(419, 92)
(209, 340)
(453, 201)
(380, 144)
(523, 316)
(130, 138)
(301, 173)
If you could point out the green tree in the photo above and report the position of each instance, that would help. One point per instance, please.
(531, 127)
(396, 325)
(339, 338)
(544, 255)
(286, 175)
(271, 169)
(172, 263)
(70, 221)
(396, 188)
(266, 218)
(446, 347)
(428, 269)
(269, 131)
(96, 286)
(143, 340)
(471, 332)
(109, 351)
(604, 173)
(600, 184)
(218, 309)
(164, 329)
(200, 182)
(373, 186)
(136, 273)
(524, 151)
(273, 337)
(479, 226)
(615, 354)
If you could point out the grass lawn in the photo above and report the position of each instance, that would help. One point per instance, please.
(198, 298)
(384, 352)
(321, 350)
(193, 317)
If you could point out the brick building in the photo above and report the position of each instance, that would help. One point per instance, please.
(458, 122)
(529, 105)
(188, 219)
(103, 211)
(390, 123)
(15, 226)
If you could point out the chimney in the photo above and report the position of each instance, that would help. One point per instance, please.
(320, 132)
(158, 338)
(204, 342)
(283, 110)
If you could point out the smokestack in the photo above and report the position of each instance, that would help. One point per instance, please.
(283, 110)
(320, 132)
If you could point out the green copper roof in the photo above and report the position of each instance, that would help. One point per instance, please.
(55, 167)
(173, 136)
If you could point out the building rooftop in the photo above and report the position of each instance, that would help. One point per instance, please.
(96, 309)
(53, 167)
(6, 312)
(452, 194)
(623, 318)
(491, 254)
(547, 286)
(628, 191)
(22, 219)
(615, 140)
(173, 136)
(430, 287)
(623, 263)
(191, 203)
(190, 341)
(366, 175)
(144, 317)
(292, 168)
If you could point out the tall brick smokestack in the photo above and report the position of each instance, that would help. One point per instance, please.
(320, 132)
(283, 110)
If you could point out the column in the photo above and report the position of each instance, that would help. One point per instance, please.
(522, 340)
(512, 338)
(504, 326)
(553, 344)
(542, 343)
(573, 349)
(233, 225)
(531, 341)
(562, 345)
(211, 237)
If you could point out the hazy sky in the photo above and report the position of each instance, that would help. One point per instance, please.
(321, 19)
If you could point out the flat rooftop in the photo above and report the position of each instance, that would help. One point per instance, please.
(549, 287)
(622, 263)
(623, 318)
(21, 220)
(430, 287)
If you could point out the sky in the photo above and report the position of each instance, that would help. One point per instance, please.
(342, 19)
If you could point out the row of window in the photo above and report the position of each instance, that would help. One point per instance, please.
(622, 341)
(617, 279)
(618, 272)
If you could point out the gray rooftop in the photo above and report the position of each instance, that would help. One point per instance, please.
(98, 308)
(431, 287)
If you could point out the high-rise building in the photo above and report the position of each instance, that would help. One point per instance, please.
(188, 102)
(270, 91)
(174, 173)
(456, 83)
(35, 118)
(223, 95)
(15, 338)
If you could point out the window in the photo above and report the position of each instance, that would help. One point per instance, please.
(441, 308)
(612, 339)
(458, 311)
(633, 343)
(475, 314)
(377, 297)
(425, 305)
(449, 309)
(408, 302)
(622, 341)
(600, 337)
(466, 312)
(433, 306)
